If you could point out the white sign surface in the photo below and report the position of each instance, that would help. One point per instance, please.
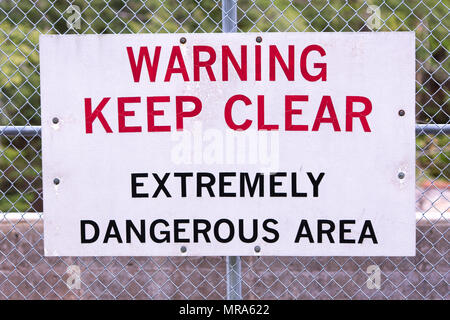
(295, 144)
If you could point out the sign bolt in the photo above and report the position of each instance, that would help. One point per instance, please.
(56, 181)
(401, 175)
(55, 120)
(182, 40)
(257, 249)
(183, 249)
(259, 39)
(401, 112)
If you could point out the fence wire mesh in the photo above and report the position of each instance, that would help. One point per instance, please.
(26, 274)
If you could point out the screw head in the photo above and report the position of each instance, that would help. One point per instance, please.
(257, 249)
(56, 181)
(259, 39)
(183, 40)
(55, 120)
(401, 175)
(183, 249)
(401, 112)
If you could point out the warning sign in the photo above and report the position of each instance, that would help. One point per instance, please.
(295, 144)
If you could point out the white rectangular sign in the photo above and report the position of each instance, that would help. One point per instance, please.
(279, 144)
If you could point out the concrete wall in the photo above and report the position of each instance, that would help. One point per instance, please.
(25, 273)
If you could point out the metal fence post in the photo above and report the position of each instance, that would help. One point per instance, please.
(234, 289)
(229, 15)
(234, 278)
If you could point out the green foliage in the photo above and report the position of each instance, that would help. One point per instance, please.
(432, 158)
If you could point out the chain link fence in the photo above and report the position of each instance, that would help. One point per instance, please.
(26, 274)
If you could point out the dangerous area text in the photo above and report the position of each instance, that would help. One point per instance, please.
(226, 184)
